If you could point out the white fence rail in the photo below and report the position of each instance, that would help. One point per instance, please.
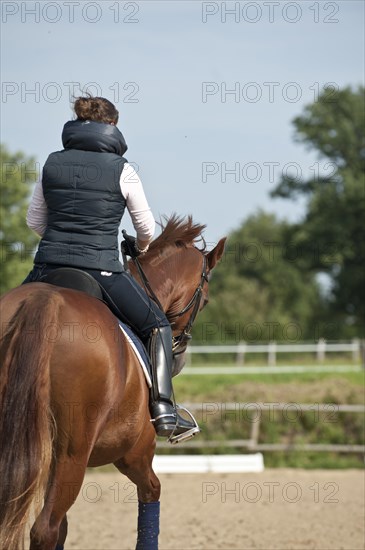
(356, 348)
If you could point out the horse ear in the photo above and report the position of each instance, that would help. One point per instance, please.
(215, 255)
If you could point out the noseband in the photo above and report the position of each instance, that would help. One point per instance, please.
(180, 341)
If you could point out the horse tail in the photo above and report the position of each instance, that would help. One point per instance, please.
(26, 421)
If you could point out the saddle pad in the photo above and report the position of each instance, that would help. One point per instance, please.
(139, 350)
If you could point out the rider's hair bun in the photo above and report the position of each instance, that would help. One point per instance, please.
(98, 109)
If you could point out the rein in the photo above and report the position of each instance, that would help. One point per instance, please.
(181, 339)
(146, 283)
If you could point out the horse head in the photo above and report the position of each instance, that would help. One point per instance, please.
(178, 272)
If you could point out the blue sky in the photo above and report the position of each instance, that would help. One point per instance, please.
(168, 66)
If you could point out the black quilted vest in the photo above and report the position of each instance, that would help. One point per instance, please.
(84, 202)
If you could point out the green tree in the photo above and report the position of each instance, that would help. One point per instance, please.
(259, 291)
(18, 172)
(332, 234)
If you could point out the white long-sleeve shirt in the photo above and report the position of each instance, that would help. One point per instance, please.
(132, 190)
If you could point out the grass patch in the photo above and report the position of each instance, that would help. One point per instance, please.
(219, 386)
(293, 426)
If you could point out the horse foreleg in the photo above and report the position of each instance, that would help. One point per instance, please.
(137, 466)
(62, 534)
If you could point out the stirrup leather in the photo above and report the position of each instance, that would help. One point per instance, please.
(174, 439)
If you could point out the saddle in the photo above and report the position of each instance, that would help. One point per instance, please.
(76, 279)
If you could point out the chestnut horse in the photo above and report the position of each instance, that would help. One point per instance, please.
(73, 394)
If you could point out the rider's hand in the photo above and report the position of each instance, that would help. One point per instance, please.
(129, 245)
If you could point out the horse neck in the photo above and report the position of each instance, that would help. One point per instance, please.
(169, 274)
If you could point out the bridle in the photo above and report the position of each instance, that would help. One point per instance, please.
(179, 342)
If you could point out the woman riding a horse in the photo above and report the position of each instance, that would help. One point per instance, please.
(69, 400)
(77, 209)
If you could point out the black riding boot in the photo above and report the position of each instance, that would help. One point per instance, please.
(167, 421)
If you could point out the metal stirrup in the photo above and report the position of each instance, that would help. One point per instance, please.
(174, 439)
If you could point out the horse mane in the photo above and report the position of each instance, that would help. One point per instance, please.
(178, 231)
